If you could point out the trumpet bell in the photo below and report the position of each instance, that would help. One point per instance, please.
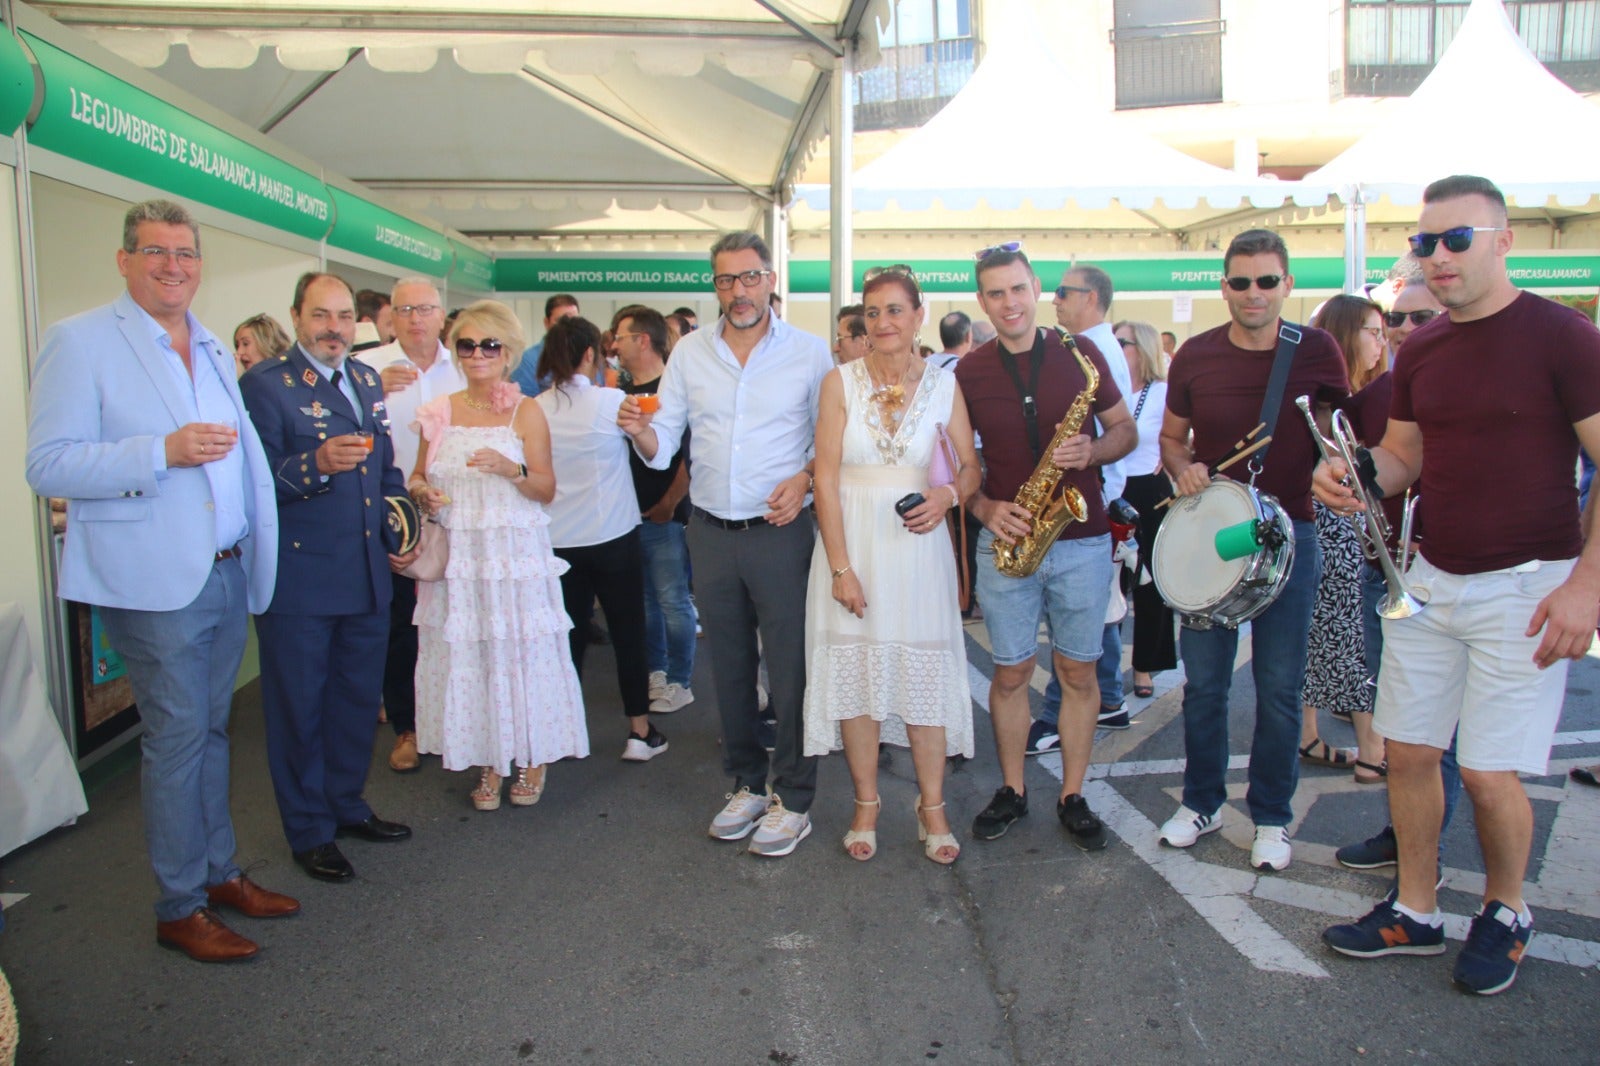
(1403, 603)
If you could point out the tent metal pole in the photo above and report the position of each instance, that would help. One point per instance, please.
(778, 240)
(1355, 239)
(841, 251)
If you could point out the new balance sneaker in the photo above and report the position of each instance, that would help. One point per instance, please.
(1385, 931)
(767, 732)
(1088, 832)
(1113, 718)
(780, 831)
(1002, 812)
(1271, 848)
(739, 817)
(1495, 943)
(1042, 737)
(1187, 826)
(645, 748)
(674, 697)
(1371, 853)
(658, 684)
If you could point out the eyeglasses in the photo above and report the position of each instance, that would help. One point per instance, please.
(1396, 319)
(1062, 290)
(407, 310)
(901, 269)
(748, 278)
(488, 348)
(1009, 246)
(1126, 343)
(1376, 331)
(184, 256)
(1456, 240)
(1266, 282)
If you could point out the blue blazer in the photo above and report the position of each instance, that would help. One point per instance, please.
(103, 398)
(332, 558)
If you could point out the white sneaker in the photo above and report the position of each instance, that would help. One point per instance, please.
(1271, 849)
(739, 817)
(645, 748)
(780, 832)
(658, 684)
(674, 697)
(1187, 826)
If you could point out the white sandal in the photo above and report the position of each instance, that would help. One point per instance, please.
(933, 843)
(525, 791)
(869, 837)
(486, 797)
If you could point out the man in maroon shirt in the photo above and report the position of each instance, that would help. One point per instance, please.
(1216, 389)
(1501, 391)
(1018, 388)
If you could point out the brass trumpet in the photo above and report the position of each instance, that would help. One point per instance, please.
(1401, 600)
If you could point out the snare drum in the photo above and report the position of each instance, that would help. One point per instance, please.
(1203, 588)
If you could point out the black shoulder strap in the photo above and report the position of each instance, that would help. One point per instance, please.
(1030, 410)
(1277, 382)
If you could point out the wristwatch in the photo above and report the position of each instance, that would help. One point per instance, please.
(522, 473)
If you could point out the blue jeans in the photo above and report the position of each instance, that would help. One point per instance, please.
(1108, 671)
(668, 615)
(1278, 639)
(1373, 589)
(182, 665)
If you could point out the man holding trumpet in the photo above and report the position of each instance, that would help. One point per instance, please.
(1502, 390)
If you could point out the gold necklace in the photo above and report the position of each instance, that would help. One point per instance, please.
(476, 405)
(889, 397)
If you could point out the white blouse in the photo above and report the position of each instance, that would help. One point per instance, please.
(595, 501)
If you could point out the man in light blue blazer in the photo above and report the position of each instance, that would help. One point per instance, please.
(172, 531)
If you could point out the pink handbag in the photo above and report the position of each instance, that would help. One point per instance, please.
(434, 557)
(942, 467)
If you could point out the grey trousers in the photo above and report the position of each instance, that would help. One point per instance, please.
(747, 582)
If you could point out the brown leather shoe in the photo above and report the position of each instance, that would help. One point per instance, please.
(251, 900)
(403, 759)
(204, 938)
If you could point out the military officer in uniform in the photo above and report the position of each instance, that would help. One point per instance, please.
(326, 432)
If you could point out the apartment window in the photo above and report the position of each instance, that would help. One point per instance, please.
(1168, 52)
(1392, 45)
(928, 54)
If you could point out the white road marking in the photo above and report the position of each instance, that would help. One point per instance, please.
(11, 899)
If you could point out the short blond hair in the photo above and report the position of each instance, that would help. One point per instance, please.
(1147, 342)
(499, 321)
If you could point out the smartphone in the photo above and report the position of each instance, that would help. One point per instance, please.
(906, 504)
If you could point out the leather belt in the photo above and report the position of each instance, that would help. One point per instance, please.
(230, 553)
(733, 524)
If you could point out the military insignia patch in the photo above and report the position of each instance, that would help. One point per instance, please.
(309, 376)
(287, 380)
(371, 384)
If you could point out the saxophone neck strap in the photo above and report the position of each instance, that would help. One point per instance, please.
(1277, 382)
(1029, 392)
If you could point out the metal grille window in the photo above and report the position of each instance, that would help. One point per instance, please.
(1168, 52)
(928, 55)
(1391, 45)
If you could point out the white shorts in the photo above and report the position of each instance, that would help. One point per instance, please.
(1464, 661)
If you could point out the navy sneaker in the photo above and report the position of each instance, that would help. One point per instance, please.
(1371, 853)
(1088, 831)
(1042, 737)
(1385, 931)
(1495, 943)
(1002, 812)
(1113, 718)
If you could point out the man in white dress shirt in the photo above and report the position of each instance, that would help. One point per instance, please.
(747, 388)
(415, 368)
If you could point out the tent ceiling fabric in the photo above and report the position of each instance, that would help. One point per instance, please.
(501, 118)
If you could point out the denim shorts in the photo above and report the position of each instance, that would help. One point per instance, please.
(1070, 591)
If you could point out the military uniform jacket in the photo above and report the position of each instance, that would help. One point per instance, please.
(331, 553)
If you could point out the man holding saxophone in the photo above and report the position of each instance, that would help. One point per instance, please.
(1218, 390)
(1498, 394)
(1022, 387)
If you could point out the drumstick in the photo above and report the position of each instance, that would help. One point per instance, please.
(1232, 459)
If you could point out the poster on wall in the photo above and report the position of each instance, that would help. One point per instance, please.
(102, 696)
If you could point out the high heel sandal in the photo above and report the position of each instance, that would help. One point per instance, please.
(525, 791)
(869, 837)
(933, 843)
(486, 797)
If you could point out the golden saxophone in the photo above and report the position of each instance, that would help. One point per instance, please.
(1048, 512)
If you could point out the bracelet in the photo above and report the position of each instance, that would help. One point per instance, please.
(843, 570)
(522, 473)
(955, 497)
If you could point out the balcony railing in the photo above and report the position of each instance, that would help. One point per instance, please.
(1165, 65)
(911, 83)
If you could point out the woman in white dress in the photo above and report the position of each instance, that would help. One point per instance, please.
(885, 654)
(495, 684)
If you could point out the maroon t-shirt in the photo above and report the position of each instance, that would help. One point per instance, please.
(1219, 387)
(1368, 411)
(995, 407)
(1496, 399)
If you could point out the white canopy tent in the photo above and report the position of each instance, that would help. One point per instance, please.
(1489, 107)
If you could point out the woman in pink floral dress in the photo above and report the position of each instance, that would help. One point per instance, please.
(495, 684)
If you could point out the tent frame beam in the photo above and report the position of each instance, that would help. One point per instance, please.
(307, 93)
(802, 27)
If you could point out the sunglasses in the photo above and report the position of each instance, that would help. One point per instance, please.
(1062, 290)
(1126, 343)
(1009, 246)
(1396, 319)
(1266, 282)
(900, 269)
(488, 348)
(1456, 240)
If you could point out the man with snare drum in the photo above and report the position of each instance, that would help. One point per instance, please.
(1217, 389)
